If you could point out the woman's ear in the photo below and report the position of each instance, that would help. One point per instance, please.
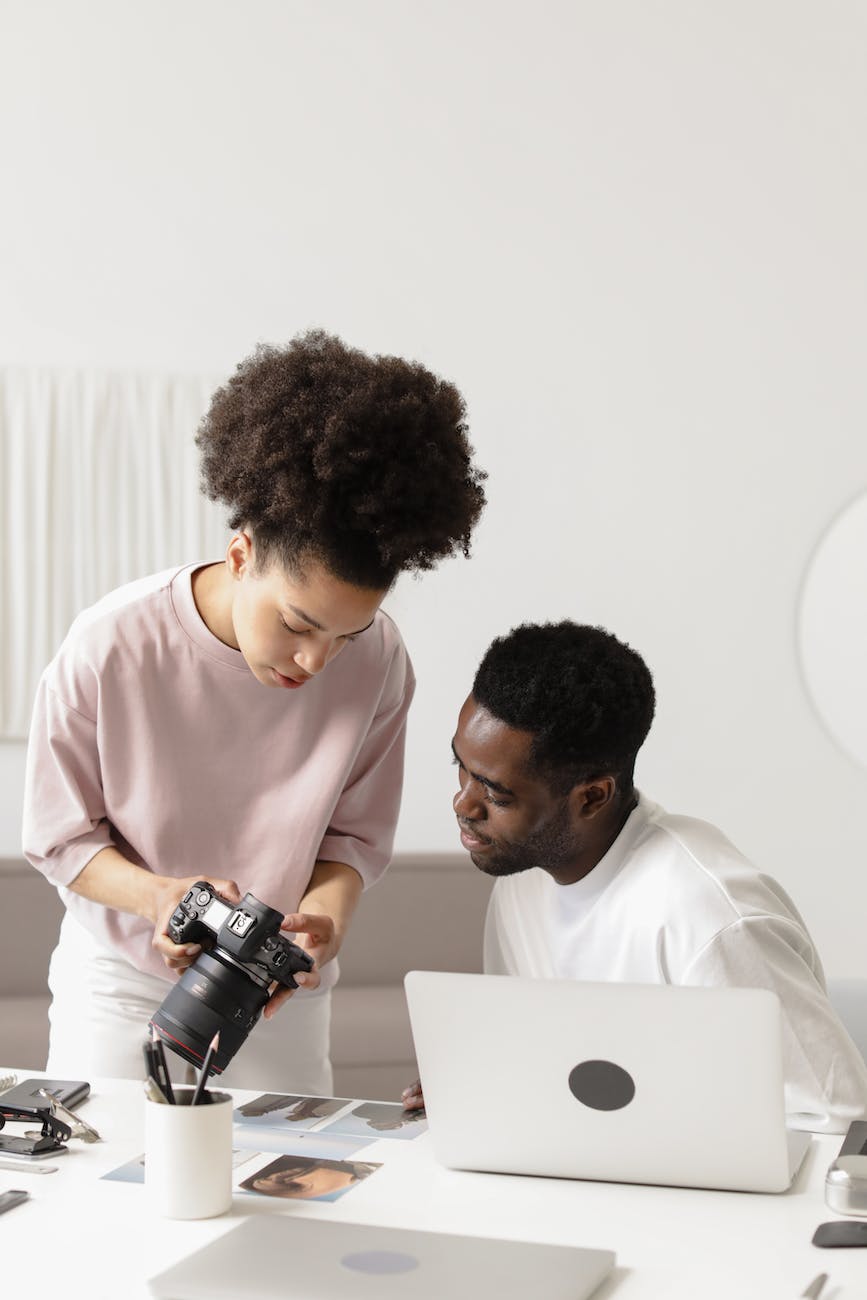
(239, 554)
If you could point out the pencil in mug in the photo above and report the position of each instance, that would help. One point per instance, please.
(206, 1066)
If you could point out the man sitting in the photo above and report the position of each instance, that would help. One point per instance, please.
(596, 882)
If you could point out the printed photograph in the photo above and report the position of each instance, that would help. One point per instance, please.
(380, 1119)
(279, 1108)
(335, 1146)
(301, 1179)
(133, 1170)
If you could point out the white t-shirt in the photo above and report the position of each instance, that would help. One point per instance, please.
(673, 902)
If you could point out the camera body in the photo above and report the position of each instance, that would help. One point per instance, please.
(226, 987)
(248, 933)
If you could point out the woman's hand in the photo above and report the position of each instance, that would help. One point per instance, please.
(167, 892)
(317, 935)
(320, 923)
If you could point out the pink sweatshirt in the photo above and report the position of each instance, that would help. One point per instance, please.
(150, 734)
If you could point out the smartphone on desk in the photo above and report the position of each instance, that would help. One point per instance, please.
(69, 1092)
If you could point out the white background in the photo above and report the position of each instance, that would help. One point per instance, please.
(631, 232)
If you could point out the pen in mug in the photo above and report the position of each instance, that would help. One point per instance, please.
(153, 1092)
(206, 1066)
(163, 1078)
(153, 1081)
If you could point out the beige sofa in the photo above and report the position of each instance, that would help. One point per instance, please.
(426, 913)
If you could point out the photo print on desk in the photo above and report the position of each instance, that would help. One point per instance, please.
(299, 1178)
(133, 1170)
(273, 1142)
(280, 1108)
(379, 1119)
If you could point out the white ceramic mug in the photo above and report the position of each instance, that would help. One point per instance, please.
(188, 1155)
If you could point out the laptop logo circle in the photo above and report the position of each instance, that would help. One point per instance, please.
(601, 1085)
(379, 1261)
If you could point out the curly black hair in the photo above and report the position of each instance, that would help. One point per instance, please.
(360, 462)
(587, 699)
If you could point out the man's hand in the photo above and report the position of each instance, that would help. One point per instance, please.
(316, 934)
(413, 1097)
(167, 893)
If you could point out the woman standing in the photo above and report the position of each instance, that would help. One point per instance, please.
(242, 721)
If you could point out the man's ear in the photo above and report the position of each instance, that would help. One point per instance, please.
(239, 554)
(590, 798)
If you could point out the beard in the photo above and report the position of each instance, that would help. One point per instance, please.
(553, 845)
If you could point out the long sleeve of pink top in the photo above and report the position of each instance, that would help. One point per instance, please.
(150, 734)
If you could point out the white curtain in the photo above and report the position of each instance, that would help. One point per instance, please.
(99, 479)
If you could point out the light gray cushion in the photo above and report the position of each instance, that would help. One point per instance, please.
(426, 913)
(24, 1032)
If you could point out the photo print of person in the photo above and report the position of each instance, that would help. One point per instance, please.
(380, 1119)
(281, 1108)
(302, 1179)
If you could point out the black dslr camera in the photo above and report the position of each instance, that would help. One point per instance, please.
(227, 986)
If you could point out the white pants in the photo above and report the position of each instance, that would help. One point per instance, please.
(99, 1017)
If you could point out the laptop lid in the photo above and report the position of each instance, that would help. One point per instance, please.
(623, 1082)
(347, 1261)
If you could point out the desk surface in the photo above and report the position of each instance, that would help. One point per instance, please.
(80, 1236)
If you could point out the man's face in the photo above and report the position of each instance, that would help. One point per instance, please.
(509, 818)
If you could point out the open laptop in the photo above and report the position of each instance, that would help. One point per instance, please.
(348, 1261)
(629, 1083)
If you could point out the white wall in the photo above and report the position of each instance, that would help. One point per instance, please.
(631, 232)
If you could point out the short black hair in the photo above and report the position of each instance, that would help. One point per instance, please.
(586, 698)
(360, 462)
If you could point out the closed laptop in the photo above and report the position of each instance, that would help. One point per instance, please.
(273, 1256)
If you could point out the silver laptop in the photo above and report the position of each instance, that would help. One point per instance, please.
(629, 1083)
(347, 1261)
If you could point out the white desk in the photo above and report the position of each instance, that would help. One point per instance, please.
(79, 1236)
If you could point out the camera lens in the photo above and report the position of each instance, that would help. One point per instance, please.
(212, 994)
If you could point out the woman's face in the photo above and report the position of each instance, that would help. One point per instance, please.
(290, 626)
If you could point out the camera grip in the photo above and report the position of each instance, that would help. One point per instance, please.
(283, 959)
(185, 923)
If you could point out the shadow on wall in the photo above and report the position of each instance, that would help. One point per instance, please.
(832, 630)
(849, 1000)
